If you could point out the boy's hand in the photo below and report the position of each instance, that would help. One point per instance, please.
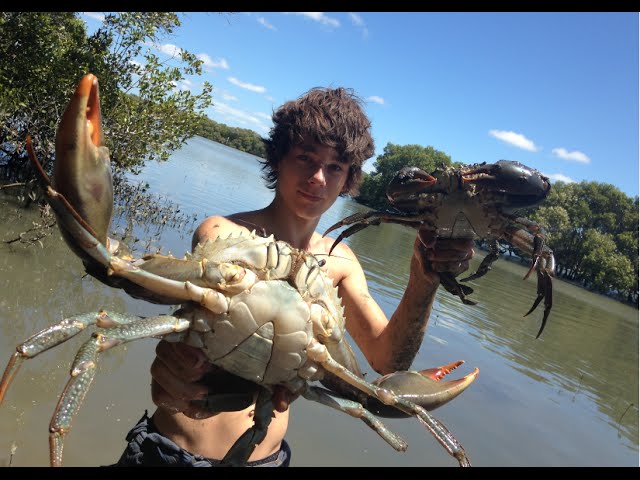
(444, 254)
(176, 376)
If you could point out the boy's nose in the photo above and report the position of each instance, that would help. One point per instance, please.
(318, 176)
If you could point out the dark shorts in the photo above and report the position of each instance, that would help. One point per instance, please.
(149, 448)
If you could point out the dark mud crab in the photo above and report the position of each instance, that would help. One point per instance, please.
(475, 201)
(263, 311)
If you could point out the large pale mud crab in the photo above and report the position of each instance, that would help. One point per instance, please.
(263, 311)
(473, 201)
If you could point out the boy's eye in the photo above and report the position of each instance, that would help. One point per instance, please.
(336, 167)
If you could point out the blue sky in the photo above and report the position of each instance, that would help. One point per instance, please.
(556, 91)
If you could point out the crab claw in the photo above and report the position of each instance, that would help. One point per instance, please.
(425, 388)
(81, 193)
(82, 172)
(406, 184)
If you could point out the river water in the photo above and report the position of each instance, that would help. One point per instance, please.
(569, 398)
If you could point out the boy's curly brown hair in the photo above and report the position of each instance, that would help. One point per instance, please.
(333, 118)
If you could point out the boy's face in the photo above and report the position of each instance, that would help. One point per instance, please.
(310, 178)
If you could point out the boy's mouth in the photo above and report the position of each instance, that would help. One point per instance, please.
(309, 196)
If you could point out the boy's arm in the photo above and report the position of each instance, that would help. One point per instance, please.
(391, 345)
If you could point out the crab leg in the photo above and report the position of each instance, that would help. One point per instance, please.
(543, 263)
(485, 266)
(452, 286)
(84, 368)
(364, 222)
(319, 353)
(43, 341)
(113, 329)
(361, 220)
(545, 290)
(357, 410)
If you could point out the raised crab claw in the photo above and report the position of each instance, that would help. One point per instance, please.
(259, 309)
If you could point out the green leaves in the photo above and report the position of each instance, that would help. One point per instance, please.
(593, 230)
(605, 267)
(145, 115)
(242, 139)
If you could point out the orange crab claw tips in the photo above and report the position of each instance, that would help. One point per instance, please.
(81, 115)
(409, 181)
(88, 89)
(449, 389)
(438, 373)
(427, 180)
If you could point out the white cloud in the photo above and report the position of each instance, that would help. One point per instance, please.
(94, 15)
(210, 63)
(170, 49)
(263, 21)
(237, 116)
(359, 22)
(559, 177)
(248, 86)
(227, 96)
(575, 156)
(318, 17)
(375, 99)
(175, 51)
(515, 139)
